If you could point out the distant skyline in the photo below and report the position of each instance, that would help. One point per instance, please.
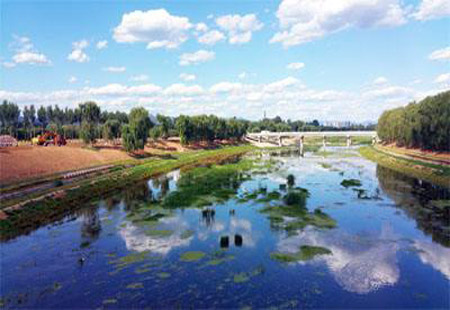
(329, 60)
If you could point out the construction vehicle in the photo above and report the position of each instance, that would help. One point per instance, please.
(50, 138)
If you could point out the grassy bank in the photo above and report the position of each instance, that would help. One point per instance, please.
(35, 213)
(437, 174)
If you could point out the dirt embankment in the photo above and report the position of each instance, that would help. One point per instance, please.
(438, 158)
(28, 162)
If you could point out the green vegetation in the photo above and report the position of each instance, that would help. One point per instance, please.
(158, 233)
(192, 256)
(351, 183)
(187, 234)
(205, 186)
(90, 116)
(135, 134)
(305, 253)
(436, 174)
(136, 285)
(425, 125)
(209, 128)
(243, 277)
(32, 214)
(294, 215)
(277, 124)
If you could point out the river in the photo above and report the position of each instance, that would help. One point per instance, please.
(342, 232)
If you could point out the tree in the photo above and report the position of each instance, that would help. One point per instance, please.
(42, 117)
(425, 124)
(140, 123)
(111, 129)
(32, 116)
(90, 116)
(155, 132)
(9, 117)
(165, 124)
(129, 140)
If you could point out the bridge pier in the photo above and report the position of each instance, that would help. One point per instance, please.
(301, 142)
(349, 140)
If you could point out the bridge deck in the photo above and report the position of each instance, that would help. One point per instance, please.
(315, 134)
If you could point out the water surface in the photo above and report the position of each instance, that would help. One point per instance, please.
(137, 249)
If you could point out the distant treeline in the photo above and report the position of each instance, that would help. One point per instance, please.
(277, 124)
(424, 125)
(89, 122)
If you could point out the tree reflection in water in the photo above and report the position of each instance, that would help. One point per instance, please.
(416, 198)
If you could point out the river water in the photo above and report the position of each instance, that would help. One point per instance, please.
(384, 247)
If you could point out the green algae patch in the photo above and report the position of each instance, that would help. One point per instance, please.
(187, 234)
(273, 195)
(220, 257)
(110, 301)
(135, 286)
(192, 256)
(351, 183)
(163, 275)
(132, 258)
(158, 233)
(241, 277)
(306, 253)
(206, 186)
(292, 218)
(325, 165)
(141, 270)
(296, 197)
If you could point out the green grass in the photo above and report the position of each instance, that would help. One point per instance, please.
(433, 173)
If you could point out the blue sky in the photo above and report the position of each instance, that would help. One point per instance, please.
(300, 59)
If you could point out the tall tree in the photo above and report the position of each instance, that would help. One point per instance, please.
(42, 117)
(90, 116)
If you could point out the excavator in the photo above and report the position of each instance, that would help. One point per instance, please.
(50, 138)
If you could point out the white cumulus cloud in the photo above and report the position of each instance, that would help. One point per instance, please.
(78, 54)
(239, 27)
(301, 21)
(443, 78)
(442, 54)
(25, 53)
(211, 37)
(139, 78)
(157, 28)
(380, 80)
(101, 44)
(431, 9)
(187, 77)
(115, 69)
(183, 90)
(197, 57)
(295, 66)
(73, 79)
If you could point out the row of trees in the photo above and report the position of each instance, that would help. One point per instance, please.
(424, 125)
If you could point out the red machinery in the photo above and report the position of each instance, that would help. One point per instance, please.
(51, 138)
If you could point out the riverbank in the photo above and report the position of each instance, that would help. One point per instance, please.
(32, 212)
(430, 168)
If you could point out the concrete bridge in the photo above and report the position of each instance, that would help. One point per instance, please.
(277, 138)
